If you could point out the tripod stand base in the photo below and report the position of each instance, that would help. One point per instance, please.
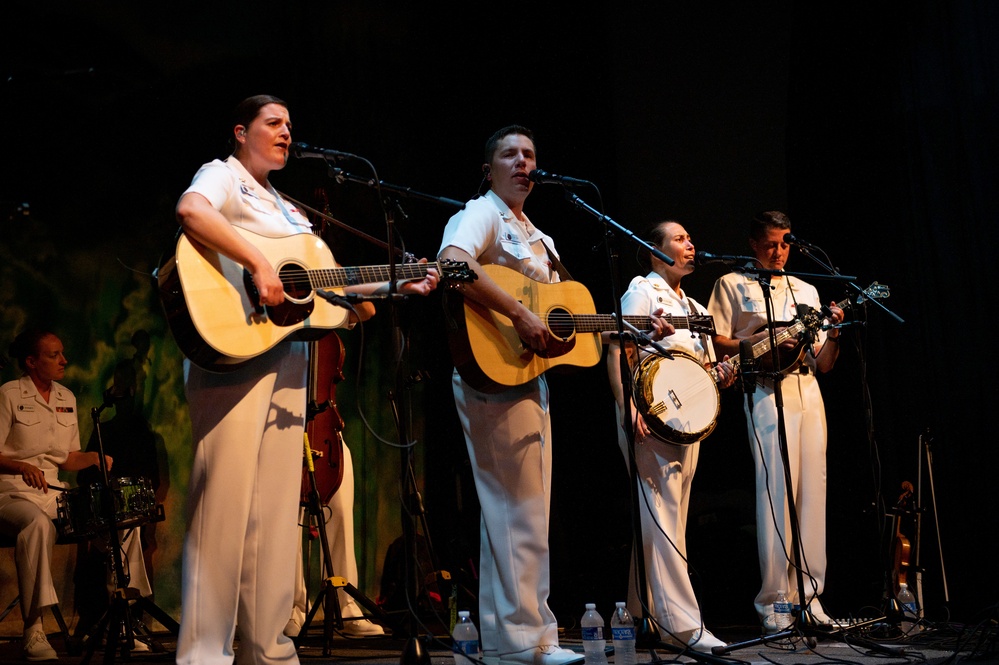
(116, 625)
(415, 652)
(806, 628)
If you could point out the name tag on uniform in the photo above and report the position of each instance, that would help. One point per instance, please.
(25, 407)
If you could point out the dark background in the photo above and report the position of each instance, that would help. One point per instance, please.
(870, 125)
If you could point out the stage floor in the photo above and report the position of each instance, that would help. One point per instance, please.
(936, 644)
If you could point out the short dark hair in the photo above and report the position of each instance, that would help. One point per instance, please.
(26, 344)
(654, 235)
(500, 134)
(764, 221)
(657, 233)
(247, 110)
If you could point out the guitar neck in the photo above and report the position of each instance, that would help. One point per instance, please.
(606, 322)
(792, 331)
(333, 278)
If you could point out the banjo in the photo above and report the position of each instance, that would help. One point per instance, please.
(678, 397)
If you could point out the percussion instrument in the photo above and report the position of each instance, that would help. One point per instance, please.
(677, 396)
(82, 513)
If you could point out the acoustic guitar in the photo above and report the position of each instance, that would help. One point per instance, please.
(214, 311)
(490, 356)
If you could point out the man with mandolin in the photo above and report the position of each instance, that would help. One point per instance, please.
(739, 311)
(666, 468)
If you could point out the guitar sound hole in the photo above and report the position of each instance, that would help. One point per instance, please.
(560, 323)
(296, 281)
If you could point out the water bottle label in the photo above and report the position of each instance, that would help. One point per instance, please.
(911, 608)
(623, 632)
(593, 632)
(468, 647)
(782, 608)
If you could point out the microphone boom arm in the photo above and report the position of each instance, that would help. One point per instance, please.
(580, 203)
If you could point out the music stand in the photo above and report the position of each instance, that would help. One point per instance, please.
(117, 619)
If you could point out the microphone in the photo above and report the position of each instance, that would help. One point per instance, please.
(792, 239)
(335, 299)
(304, 150)
(703, 258)
(545, 178)
(348, 300)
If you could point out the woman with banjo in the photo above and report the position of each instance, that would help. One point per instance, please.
(667, 433)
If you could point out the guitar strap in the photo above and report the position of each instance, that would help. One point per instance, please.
(563, 274)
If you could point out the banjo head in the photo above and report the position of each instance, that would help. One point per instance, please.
(677, 396)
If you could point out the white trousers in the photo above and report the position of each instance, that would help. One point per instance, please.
(665, 474)
(340, 536)
(243, 498)
(805, 423)
(509, 442)
(135, 564)
(35, 535)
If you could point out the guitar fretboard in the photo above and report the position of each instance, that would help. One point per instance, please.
(602, 322)
(327, 278)
(792, 331)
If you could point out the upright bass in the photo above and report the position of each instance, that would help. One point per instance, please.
(325, 425)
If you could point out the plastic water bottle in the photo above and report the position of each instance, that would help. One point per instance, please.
(623, 634)
(466, 640)
(782, 610)
(910, 612)
(594, 643)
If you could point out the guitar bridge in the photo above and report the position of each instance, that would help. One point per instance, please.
(676, 400)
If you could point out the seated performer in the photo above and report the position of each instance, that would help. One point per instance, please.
(39, 436)
(665, 470)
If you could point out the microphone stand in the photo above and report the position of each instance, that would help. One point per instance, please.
(647, 635)
(807, 251)
(117, 618)
(415, 651)
(803, 621)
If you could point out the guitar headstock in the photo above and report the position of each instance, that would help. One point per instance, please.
(811, 318)
(454, 272)
(874, 292)
(702, 323)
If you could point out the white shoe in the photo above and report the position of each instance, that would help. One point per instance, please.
(361, 628)
(702, 640)
(140, 646)
(293, 627)
(37, 647)
(818, 613)
(548, 654)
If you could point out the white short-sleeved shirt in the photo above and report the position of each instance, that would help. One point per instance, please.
(739, 310)
(243, 201)
(647, 294)
(488, 230)
(37, 432)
